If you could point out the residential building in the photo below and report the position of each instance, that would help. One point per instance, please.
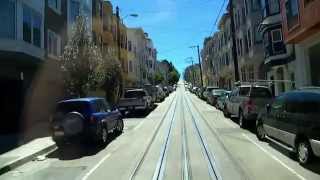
(247, 17)
(206, 63)
(133, 56)
(151, 58)
(76, 8)
(163, 67)
(223, 62)
(21, 52)
(97, 22)
(301, 27)
(278, 57)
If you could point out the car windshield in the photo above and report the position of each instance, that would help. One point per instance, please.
(260, 92)
(218, 92)
(134, 94)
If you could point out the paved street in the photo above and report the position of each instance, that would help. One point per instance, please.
(183, 138)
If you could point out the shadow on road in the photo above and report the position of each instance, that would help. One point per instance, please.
(79, 150)
(140, 114)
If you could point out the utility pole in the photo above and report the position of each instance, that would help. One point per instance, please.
(234, 46)
(199, 58)
(200, 65)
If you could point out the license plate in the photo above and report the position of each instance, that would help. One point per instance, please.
(58, 133)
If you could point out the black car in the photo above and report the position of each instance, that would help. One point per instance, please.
(292, 120)
(88, 119)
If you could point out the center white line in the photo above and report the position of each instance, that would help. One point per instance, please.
(275, 158)
(85, 177)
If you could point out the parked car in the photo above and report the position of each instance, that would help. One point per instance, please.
(135, 100)
(208, 90)
(221, 101)
(89, 119)
(292, 121)
(166, 90)
(160, 94)
(246, 101)
(152, 91)
(170, 89)
(194, 90)
(212, 97)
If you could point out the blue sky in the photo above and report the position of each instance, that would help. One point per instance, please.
(173, 25)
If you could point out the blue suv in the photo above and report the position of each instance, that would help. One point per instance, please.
(85, 119)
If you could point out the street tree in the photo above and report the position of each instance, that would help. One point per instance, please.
(80, 61)
(158, 78)
(112, 78)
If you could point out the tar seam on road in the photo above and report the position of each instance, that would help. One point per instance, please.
(185, 153)
(159, 171)
(136, 168)
(274, 157)
(85, 177)
(215, 133)
(208, 156)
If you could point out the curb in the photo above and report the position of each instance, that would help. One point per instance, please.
(20, 161)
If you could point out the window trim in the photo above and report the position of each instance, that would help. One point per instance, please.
(58, 44)
(272, 38)
(290, 29)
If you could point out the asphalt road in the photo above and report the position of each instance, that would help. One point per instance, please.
(183, 138)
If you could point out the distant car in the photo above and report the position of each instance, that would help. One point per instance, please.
(208, 90)
(292, 121)
(170, 89)
(212, 97)
(135, 100)
(221, 101)
(160, 94)
(89, 119)
(152, 91)
(166, 90)
(194, 89)
(246, 101)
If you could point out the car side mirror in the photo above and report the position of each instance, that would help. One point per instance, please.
(268, 107)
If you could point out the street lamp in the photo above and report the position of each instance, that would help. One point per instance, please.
(198, 49)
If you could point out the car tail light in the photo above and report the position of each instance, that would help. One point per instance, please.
(249, 105)
(92, 119)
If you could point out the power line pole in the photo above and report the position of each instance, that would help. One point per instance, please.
(200, 65)
(234, 47)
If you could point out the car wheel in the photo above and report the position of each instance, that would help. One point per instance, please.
(242, 121)
(102, 136)
(225, 112)
(261, 133)
(120, 125)
(304, 152)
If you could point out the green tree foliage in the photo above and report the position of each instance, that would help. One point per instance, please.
(112, 78)
(80, 61)
(158, 78)
(174, 77)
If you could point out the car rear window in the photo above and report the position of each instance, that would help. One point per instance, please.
(260, 92)
(66, 107)
(134, 94)
(218, 92)
(244, 91)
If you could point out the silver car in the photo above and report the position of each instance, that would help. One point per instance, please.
(246, 101)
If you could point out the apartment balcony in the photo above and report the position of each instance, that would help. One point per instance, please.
(13, 46)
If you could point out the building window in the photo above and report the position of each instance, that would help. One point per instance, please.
(292, 13)
(129, 46)
(37, 29)
(251, 73)
(130, 66)
(54, 44)
(277, 42)
(74, 10)
(32, 23)
(8, 19)
(27, 20)
(55, 5)
(243, 74)
(257, 34)
(249, 38)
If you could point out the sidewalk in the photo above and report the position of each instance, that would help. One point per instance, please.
(25, 153)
